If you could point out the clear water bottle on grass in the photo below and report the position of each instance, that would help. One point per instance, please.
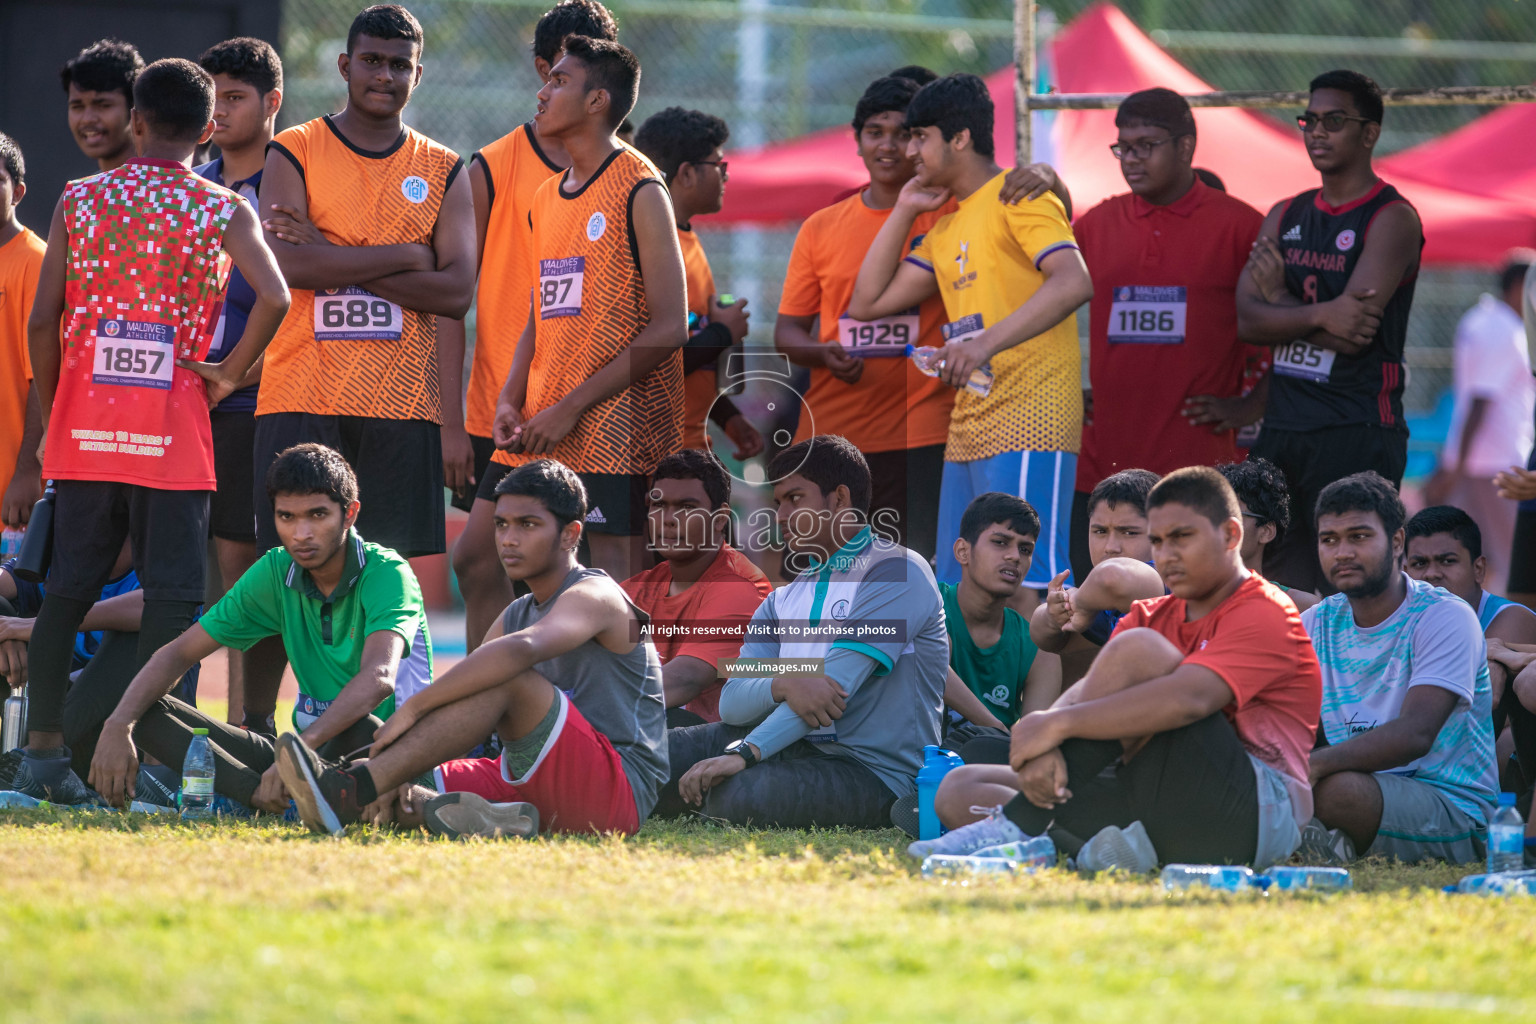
(1506, 837)
(930, 361)
(1221, 877)
(1031, 854)
(197, 778)
(1503, 883)
(948, 866)
(1314, 879)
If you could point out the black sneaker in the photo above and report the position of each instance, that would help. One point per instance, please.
(155, 789)
(9, 762)
(457, 815)
(904, 815)
(52, 779)
(325, 795)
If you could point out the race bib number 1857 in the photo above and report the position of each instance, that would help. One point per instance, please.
(356, 314)
(560, 286)
(134, 354)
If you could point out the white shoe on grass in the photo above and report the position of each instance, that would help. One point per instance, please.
(993, 830)
(1126, 849)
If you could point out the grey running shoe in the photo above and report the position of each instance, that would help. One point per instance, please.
(325, 795)
(1329, 847)
(993, 830)
(52, 779)
(457, 815)
(1124, 849)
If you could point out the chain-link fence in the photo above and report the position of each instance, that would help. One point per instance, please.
(776, 71)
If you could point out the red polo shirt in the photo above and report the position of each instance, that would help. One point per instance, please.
(1162, 327)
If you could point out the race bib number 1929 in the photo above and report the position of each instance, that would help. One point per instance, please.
(356, 314)
(1305, 360)
(888, 336)
(560, 286)
(134, 354)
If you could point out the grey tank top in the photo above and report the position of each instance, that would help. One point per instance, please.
(620, 694)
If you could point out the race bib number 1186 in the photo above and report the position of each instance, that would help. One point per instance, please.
(133, 353)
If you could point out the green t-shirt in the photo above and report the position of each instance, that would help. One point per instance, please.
(995, 674)
(324, 636)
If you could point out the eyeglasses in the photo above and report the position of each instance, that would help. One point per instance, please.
(1139, 150)
(722, 164)
(1332, 121)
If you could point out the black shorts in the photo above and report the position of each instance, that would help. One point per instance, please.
(615, 503)
(232, 509)
(1522, 556)
(1311, 460)
(167, 531)
(488, 477)
(399, 466)
(902, 488)
(483, 448)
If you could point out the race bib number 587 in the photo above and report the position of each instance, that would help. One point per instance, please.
(560, 286)
(134, 353)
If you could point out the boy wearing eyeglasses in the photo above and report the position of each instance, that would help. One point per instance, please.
(1164, 362)
(1329, 287)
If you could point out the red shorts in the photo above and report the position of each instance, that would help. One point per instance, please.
(577, 782)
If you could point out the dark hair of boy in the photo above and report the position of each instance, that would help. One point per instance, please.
(1516, 264)
(11, 158)
(677, 136)
(693, 464)
(1127, 487)
(1447, 519)
(385, 21)
(1200, 489)
(245, 59)
(916, 74)
(571, 18)
(610, 67)
(1003, 509)
(109, 65)
(175, 97)
(1364, 91)
(893, 92)
(1261, 486)
(826, 460)
(1156, 108)
(1211, 178)
(953, 104)
(553, 484)
(312, 469)
(1363, 492)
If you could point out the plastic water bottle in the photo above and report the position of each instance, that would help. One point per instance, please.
(931, 360)
(941, 865)
(1506, 837)
(10, 542)
(11, 799)
(1222, 877)
(1315, 879)
(937, 763)
(1039, 852)
(1502, 883)
(197, 778)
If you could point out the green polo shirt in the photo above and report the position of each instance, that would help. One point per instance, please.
(995, 674)
(324, 636)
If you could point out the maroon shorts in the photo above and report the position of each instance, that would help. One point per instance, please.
(577, 782)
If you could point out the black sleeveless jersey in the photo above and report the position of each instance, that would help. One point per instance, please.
(1313, 387)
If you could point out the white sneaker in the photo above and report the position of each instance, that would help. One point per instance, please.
(993, 830)
(1127, 849)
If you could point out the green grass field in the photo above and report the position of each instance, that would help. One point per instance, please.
(139, 918)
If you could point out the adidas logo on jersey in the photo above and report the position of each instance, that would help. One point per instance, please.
(596, 516)
(1293, 235)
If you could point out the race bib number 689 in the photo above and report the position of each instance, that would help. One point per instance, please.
(356, 314)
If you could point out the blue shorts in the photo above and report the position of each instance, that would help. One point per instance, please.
(1044, 479)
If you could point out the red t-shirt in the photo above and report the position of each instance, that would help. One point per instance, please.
(1255, 642)
(1162, 327)
(707, 621)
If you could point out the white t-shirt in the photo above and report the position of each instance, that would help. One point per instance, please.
(1432, 639)
(1492, 361)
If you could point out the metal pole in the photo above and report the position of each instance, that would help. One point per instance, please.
(1453, 95)
(1023, 81)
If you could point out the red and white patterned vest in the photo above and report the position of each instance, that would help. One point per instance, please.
(145, 281)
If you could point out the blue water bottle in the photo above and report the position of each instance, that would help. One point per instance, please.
(937, 763)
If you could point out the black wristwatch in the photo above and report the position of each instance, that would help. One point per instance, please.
(744, 749)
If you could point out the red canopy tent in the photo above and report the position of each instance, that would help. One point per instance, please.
(1493, 156)
(1102, 51)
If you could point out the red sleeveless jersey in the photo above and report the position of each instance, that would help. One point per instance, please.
(146, 277)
